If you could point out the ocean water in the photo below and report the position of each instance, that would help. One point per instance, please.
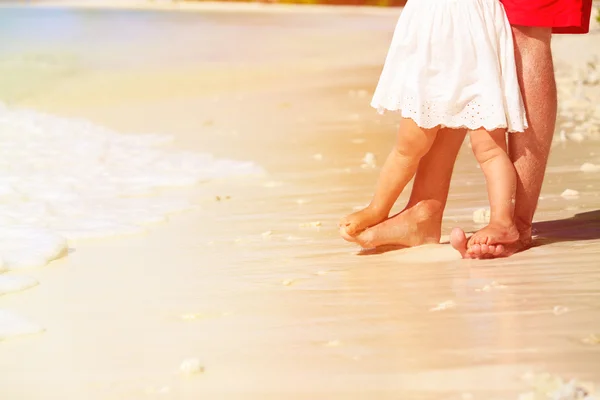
(121, 38)
(63, 179)
(40, 47)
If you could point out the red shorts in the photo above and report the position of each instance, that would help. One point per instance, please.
(563, 16)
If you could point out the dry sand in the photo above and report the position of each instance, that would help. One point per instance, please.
(271, 303)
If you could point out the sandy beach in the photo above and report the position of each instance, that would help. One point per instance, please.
(235, 284)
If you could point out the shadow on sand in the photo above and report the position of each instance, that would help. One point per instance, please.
(580, 227)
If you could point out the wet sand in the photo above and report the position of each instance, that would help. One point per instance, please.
(258, 286)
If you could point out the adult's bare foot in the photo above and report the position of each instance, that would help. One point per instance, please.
(416, 225)
(458, 240)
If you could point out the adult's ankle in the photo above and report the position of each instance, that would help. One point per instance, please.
(525, 228)
(429, 209)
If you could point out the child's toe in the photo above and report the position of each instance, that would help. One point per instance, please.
(345, 235)
(351, 228)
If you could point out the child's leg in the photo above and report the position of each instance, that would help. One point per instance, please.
(412, 143)
(501, 178)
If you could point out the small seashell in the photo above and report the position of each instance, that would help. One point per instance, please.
(570, 194)
(592, 339)
(589, 167)
(493, 285)
(369, 161)
(191, 316)
(576, 137)
(444, 306)
(559, 310)
(314, 224)
(562, 136)
(481, 216)
(191, 366)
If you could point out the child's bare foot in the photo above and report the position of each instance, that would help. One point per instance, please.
(495, 234)
(355, 223)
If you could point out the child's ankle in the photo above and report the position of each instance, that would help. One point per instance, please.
(503, 223)
(378, 211)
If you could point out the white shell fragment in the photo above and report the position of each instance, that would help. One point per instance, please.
(191, 366)
(369, 161)
(446, 305)
(570, 194)
(589, 167)
(481, 216)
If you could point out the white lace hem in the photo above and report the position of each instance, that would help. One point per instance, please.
(473, 116)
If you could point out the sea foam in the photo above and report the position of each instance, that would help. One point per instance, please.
(69, 178)
(14, 325)
(63, 179)
(12, 283)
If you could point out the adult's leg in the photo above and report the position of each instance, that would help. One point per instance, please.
(421, 221)
(529, 151)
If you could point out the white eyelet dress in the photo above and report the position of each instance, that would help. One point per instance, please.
(451, 63)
